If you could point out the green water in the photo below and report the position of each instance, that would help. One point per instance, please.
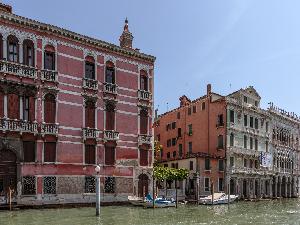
(263, 212)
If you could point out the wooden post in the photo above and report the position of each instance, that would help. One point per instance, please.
(153, 180)
(212, 192)
(9, 198)
(228, 188)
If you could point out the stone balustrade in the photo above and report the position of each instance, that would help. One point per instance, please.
(110, 88)
(111, 135)
(49, 75)
(18, 69)
(90, 84)
(49, 128)
(18, 126)
(145, 139)
(90, 133)
(144, 95)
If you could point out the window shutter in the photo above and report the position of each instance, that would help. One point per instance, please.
(50, 152)
(13, 106)
(143, 157)
(49, 109)
(110, 120)
(90, 116)
(109, 155)
(143, 122)
(29, 151)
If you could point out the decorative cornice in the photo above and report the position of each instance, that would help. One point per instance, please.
(42, 27)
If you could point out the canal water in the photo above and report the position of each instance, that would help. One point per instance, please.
(286, 211)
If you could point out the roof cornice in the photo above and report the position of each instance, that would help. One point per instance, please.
(43, 27)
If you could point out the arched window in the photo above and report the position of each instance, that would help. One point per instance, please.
(143, 81)
(28, 108)
(12, 49)
(231, 139)
(49, 108)
(110, 73)
(89, 68)
(110, 117)
(90, 114)
(49, 57)
(143, 121)
(28, 53)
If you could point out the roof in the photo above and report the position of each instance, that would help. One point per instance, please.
(43, 27)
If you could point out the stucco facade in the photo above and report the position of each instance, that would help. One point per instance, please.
(110, 99)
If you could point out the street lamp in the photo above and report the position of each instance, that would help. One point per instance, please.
(97, 170)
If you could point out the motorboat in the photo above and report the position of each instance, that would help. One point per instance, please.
(217, 199)
(137, 201)
(159, 202)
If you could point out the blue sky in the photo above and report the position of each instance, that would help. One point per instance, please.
(230, 44)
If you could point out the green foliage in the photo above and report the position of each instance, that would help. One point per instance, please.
(170, 174)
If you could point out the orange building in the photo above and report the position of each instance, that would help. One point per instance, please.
(193, 137)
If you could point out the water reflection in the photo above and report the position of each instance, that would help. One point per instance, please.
(263, 212)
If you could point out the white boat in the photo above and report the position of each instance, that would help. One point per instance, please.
(219, 198)
(134, 200)
(159, 202)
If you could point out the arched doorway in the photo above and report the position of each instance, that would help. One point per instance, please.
(232, 187)
(143, 185)
(8, 171)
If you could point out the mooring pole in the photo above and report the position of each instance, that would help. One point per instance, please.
(176, 193)
(97, 169)
(10, 198)
(153, 180)
(228, 188)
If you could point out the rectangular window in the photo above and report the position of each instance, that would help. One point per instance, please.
(203, 106)
(231, 161)
(109, 185)
(28, 185)
(207, 164)
(190, 129)
(194, 109)
(221, 165)
(220, 142)
(49, 60)
(231, 115)
(190, 147)
(109, 155)
(245, 99)
(173, 125)
(89, 70)
(256, 123)
(169, 143)
(206, 184)
(267, 126)
(90, 157)
(191, 165)
(168, 127)
(49, 151)
(12, 51)
(174, 154)
(143, 157)
(158, 137)
(189, 111)
(245, 141)
(256, 164)
(245, 162)
(173, 141)
(168, 155)
(26, 108)
(245, 120)
(256, 144)
(251, 143)
(29, 151)
(178, 115)
(267, 146)
(256, 103)
(90, 184)
(49, 185)
(231, 141)
(179, 132)
(221, 184)
(251, 121)
(180, 150)
(220, 121)
(251, 163)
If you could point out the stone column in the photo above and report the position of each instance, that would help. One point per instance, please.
(285, 188)
(5, 104)
(275, 186)
(4, 48)
(271, 189)
(21, 106)
(248, 188)
(290, 188)
(254, 189)
(259, 189)
(280, 184)
(20, 52)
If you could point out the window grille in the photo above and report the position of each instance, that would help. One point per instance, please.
(49, 184)
(109, 185)
(90, 184)
(28, 185)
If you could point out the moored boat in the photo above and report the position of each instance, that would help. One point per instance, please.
(217, 199)
(158, 202)
(137, 201)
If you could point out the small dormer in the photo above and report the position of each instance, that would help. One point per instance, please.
(250, 97)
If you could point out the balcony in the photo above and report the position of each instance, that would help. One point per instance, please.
(110, 88)
(90, 84)
(145, 139)
(111, 135)
(49, 128)
(144, 95)
(49, 75)
(18, 126)
(18, 69)
(243, 151)
(90, 133)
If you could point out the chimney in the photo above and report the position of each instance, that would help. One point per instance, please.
(5, 8)
(208, 89)
(126, 37)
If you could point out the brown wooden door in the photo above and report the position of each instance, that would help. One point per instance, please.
(8, 171)
(143, 185)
